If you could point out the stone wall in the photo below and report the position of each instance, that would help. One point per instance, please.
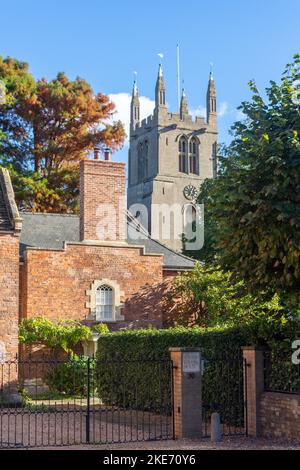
(56, 284)
(280, 415)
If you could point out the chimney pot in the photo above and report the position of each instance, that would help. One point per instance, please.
(107, 153)
(96, 152)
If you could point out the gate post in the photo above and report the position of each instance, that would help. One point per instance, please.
(253, 387)
(88, 400)
(187, 392)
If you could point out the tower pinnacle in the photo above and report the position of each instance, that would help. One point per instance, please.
(183, 103)
(160, 89)
(211, 101)
(134, 107)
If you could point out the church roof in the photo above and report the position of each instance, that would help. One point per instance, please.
(50, 231)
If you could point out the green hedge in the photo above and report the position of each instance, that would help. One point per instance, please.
(132, 382)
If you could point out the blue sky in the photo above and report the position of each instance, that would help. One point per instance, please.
(105, 41)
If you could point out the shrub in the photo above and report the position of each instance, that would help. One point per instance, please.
(206, 296)
(219, 346)
(70, 377)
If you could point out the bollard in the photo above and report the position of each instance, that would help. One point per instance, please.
(215, 428)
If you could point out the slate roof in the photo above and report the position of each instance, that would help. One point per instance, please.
(5, 223)
(52, 230)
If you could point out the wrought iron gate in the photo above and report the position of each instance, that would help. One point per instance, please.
(224, 391)
(81, 401)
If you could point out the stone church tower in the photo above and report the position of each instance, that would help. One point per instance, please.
(169, 157)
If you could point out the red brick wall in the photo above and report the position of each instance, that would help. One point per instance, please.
(56, 282)
(102, 183)
(280, 415)
(170, 274)
(9, 292)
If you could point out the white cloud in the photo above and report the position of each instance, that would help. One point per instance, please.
(198, 112)
(201, 110)
(122, 102)
(223, 109)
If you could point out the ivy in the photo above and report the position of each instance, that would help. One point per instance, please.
(61, 334)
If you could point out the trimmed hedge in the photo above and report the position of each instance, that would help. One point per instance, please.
(119, 382)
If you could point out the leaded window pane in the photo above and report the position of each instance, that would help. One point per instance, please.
(104, 303)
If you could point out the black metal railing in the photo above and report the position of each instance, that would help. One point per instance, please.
(82, 400)
(280, 373)
(223, 392)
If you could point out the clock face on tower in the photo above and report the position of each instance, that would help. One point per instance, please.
(190, 192)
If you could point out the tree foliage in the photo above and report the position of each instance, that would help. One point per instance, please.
(255, 202)
(47, 128)
(61, 334)
(207, 297)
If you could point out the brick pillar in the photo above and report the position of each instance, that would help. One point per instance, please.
(253, 387)
(187, 392)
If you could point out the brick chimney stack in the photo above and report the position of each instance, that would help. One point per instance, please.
(102, 200)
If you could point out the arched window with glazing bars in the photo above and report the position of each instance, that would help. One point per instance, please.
(182, 149)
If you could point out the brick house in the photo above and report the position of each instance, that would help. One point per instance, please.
(98, 266)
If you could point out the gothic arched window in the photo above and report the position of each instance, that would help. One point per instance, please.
(193, 154)
(146, 159)
(104, 303)
(140, 163)
(182, 148)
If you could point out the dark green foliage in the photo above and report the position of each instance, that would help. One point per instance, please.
(140, 384)
(222, 389)
(223, 375)
(254, 204)
(70, 377)
(207, 297)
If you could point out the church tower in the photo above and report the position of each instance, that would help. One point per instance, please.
(170, 155)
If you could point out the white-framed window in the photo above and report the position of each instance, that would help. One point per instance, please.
(104, 303)
(105, 300)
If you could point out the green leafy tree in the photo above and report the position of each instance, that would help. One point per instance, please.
(207, 297)
(255, 202)
(208, 253)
